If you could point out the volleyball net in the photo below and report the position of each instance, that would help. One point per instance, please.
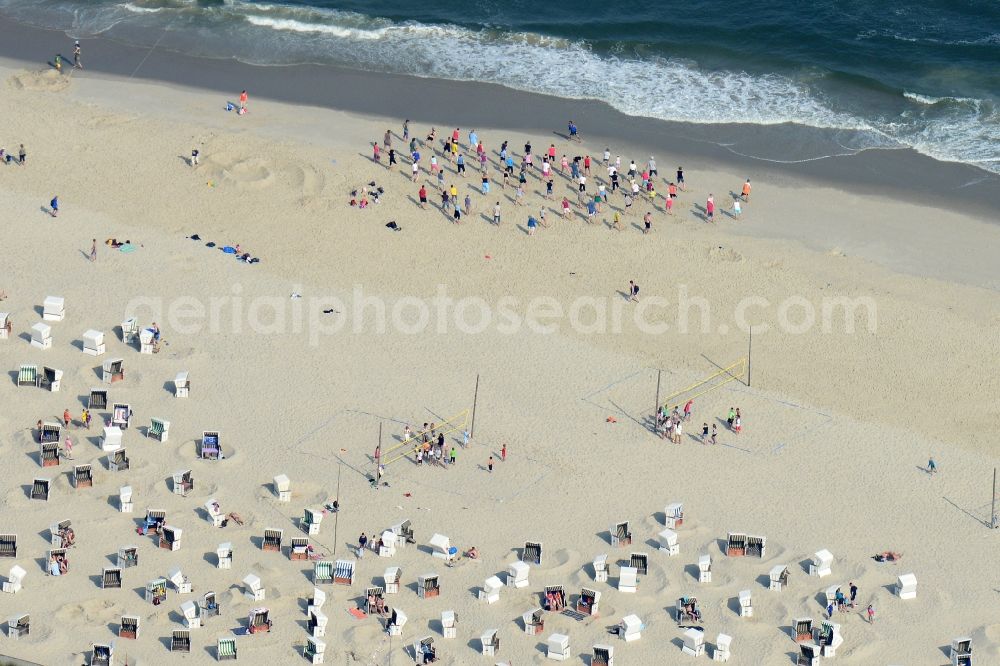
(735, 372)
(409, 446)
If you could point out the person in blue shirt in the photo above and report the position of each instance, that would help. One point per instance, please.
(532, 225)
(473, 140)
(461, 164)
(55, 205)
(574, 133)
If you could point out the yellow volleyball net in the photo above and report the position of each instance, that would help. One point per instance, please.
(735, 372)
(409, 446)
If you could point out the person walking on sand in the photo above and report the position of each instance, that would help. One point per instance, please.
(745, 195)
(422, 193)
(737, 208)
(58, 63)
(66, 418)
(731, 417)
(871, 614)
(633, 291)
(194, 157)
(93, 250)
(931, 466)
(243, 102)
(21, 155)
(406, 129)
(490, 465)
(715, 434)
(496, 217)
(854, 592)
(387, 140)
(503, 453)
(688, 407)
(55, 206)
(451, 457)
(680, 179)
(616, 224)
(77, 62)
(710, 208)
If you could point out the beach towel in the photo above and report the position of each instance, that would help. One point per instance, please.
(357, 612)
(229, 249)
(127, 247)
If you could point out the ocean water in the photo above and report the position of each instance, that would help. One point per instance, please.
(923, 74)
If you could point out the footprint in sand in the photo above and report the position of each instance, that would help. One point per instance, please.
(48, 80)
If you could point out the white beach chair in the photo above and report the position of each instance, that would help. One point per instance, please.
(130, 329)
(705, 569)
(694, 642)
(41, 336)
(113, 370)
(391, 579)
(829, 638)
(532, 552)
(192, 614)
(343, 572)
(489, 641)
(128, 627)
(673, 515)
(960, 652)
(491, 590)
(316, 601)
(111, 578)
(603, 655)
(50, 378)
(906, 586)
(5, 325)
(125, 499)
(589, 602)
(534, 621)
(397, 620)
(621, 535)
(311, 520)
(224, 556)
(668, 542)
(630, 628)
(182, 385)
(722, 652)
(778, 577)
(517, 574)
(111, 440)
(314, 650)
(557, 647)
(449, 624)
(802, 629)
(253, 588)
(746, 603)
(822, 563)
(283, 488)
(179, 580)
(388, 545)
(601, 568)
(158, 430)
(317, 623)
(214, 511)
(628, 579)
(15, 579)
(54, 308)
(428, 585)
(147, 340)
(442, 548)
(225, 649)
(93, 342)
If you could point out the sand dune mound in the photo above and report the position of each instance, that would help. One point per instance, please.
(48, 80)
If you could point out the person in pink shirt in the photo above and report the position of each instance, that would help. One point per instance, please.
(552, 152)
(710, 208)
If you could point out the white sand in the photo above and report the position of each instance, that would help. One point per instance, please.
(836, 426)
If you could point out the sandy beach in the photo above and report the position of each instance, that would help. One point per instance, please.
(874, 334)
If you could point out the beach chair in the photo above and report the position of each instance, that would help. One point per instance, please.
(311, 520)
(428, 586)
(6, 326)
(211, 448)
(225, 649)
(54, 308)
(809, 654)
(906, 586)
(18, 626)
(183, 482)
(111, 440)
(343, 572)
(831, 594)
(121, 415)
(756, 546)
(8, 545)
(128, 557)
(317, 600)
(28, 376)
(147, 341)
(829, 638)
(192, 614)
(802, 629)
(687, 610)
(603, 655)
(15, 580)
(534, 621)
(557, 647)
(282, 486)
(554, 598)
(601, 568)
(128, 627)
(517, 574)
(404, 533)
(722, 651)
(113, 370)
(111, 578)
(51, 378)
(628, 579)
(387, 544)
(391, 579)
(253, 588)
(489, 641)
(258, 622)
(41, 336)
(589, 602)
(317, 623)
(130, 329)
(180, 582)
(314, 650)
(83, 476)
(397, 620)
(374, 600)
(40, 489)
(639, 562)
(49, 433)
(673, 515)
(118, 461)
(694, 642)
(449, 624)
(298, 548)
(156, 591)
(668, 542)
(153, 522)
(745, 599)
(98, 399)
(56, 532)
(960, 652)
(821, 564)
(170, 537)
(93, 343)
(630, 628)
(182, 385)
(272, 540)
(209, 605)
(49, 455)
(214, 511)
(102, 654)
(158, 430)
(322, 572)
(621, 535)
(125, 504)
(737, 546)
(705, 569)
(180, 640)
(779, 577)
(490, 593)
(442, 548)
(532, 553)
(224, 556)
(424, 651)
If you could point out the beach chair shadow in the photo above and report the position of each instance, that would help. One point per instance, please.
(677, 642)
(805, 565)
(723, 545)
(764, 580)
(733, 605)
(97, 580)
(27, 490)
(604, 536)
(692, 570)
(14, 373)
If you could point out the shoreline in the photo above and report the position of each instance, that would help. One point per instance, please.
(899, 173)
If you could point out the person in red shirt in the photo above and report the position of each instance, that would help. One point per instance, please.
(423, 196)
(586, 164)
(710, 208)
(552, 152)
(243, 102)
(454, 136)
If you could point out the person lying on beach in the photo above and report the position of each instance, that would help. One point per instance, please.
(236, 518)
(472, 553)
(887, 556)
(68, 537)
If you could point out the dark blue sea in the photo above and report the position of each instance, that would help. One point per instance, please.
(923, 74)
